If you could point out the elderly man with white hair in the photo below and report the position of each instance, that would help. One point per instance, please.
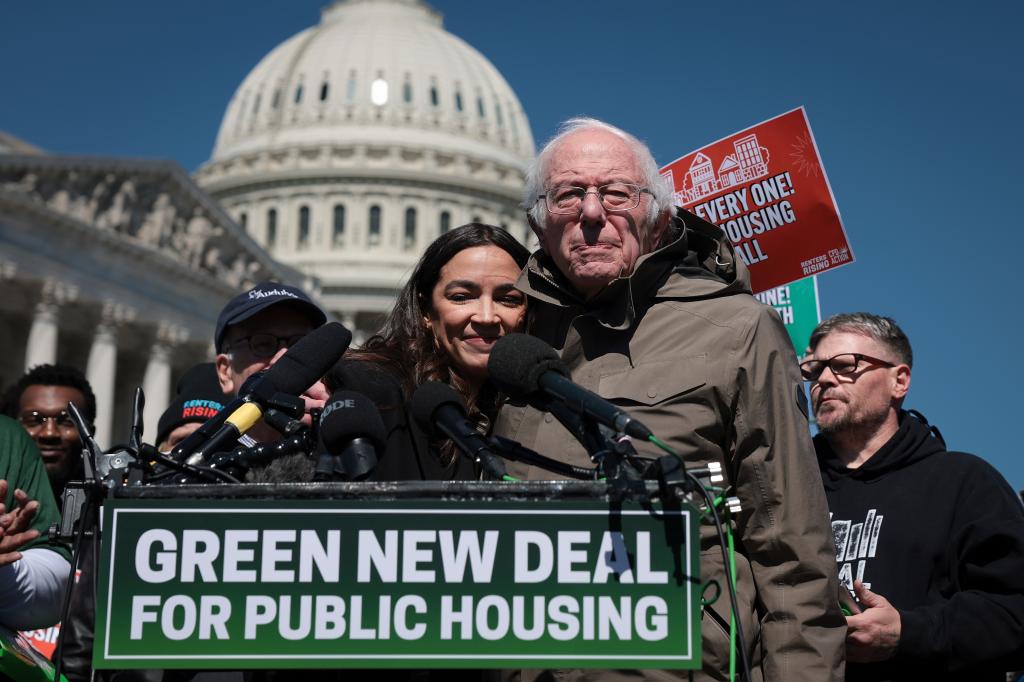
(650, 308)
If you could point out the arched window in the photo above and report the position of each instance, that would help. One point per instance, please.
(324, 91)
(256, 104)
(407, 92)
(350, 88)
(298, 93)
(477, 219)
(458, 101)
(303, 227)
(446, 221)
(379, 92)
(243, 220)
(373, 238)
(271, 228)
(480, 106)
(512, 125)
(410, 229)
(339, 225)
(276, 102)
(433, 96)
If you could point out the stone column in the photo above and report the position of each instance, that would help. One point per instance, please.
(348, 319)
(358, 335)
(101, 370)
(41, 348)
(156, 383)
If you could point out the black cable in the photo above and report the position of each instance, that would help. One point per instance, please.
(195, 471)
(729, 578)
(76, 554)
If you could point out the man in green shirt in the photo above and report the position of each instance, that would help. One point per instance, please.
(32, 571)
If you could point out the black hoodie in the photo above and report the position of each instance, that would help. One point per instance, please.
(941, 536)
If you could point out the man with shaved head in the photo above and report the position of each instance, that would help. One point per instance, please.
(650, 308)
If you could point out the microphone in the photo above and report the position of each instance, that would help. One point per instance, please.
(522, 366)
(373, 381)
(438, 410)
(353, 433)
(298, 369)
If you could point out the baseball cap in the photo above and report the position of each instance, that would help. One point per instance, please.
(198, 398)
(261, 297)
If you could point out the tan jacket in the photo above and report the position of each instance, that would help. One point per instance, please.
(684, 347)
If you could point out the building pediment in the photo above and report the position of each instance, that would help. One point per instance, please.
(141, 204)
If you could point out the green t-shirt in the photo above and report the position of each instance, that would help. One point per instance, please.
(22, 467)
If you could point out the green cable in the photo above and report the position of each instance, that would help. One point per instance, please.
(732, 563)
(732, 610)
(664, 446)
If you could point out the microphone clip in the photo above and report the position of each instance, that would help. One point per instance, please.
(611, 451)
(288, 405)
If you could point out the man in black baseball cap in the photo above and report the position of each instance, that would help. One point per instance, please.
(257, 327)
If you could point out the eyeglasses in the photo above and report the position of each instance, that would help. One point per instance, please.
(841, 365)
(36, 420)
(266, 345)
(617, 196)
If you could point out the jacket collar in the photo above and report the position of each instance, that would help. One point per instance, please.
(699, 252)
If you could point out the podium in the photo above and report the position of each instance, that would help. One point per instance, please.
(461, 574)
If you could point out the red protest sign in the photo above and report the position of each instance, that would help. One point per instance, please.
(766, 188)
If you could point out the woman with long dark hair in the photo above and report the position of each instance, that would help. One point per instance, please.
(459, 300)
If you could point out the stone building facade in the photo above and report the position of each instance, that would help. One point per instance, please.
(118, 267)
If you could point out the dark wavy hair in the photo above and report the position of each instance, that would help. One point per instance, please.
(403, 343)
(51, 375)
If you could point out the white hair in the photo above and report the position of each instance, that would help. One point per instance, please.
(536, 173)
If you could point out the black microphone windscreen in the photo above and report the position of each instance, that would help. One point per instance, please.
(517, 362)
(297, 468)
(369, 378)
(427, 398)
(309, 359)
(349, 415)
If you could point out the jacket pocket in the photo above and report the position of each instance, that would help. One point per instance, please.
(654, 381)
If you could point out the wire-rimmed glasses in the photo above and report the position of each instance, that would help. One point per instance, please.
(615, 196)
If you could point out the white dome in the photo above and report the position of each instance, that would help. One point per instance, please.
(354, 144)
(376, 69)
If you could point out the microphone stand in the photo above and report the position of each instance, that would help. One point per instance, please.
(609, 449)
(510, 449)
(79, 514)
(240, 460)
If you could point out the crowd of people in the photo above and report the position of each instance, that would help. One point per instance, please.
(869, 552)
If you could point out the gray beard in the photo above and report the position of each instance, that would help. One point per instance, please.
(846, 428)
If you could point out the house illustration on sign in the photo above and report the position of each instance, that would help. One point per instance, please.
(749, 162)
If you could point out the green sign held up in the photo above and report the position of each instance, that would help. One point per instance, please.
(797, 304)
(404, 584)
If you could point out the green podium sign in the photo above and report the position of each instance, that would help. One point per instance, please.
(314, 583)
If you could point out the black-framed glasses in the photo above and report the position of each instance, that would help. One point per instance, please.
(615, 196)
(36, 420)
(843, 364)
(266, 345)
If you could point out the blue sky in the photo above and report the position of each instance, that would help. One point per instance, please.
(915, 107)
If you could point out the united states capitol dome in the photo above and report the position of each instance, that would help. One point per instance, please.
(356, 142)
